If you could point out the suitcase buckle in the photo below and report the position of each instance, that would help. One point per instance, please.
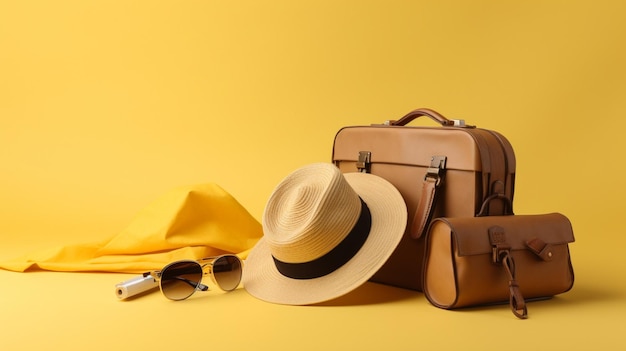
(436, 168)
(364, 161)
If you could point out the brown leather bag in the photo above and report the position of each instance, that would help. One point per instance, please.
(484, 260)
(445, 170)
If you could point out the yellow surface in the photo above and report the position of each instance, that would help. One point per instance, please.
(106, 105)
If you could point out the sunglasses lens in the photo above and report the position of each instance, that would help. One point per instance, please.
(227, 272)
(180, 279)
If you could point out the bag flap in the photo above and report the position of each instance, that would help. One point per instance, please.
(471, 234)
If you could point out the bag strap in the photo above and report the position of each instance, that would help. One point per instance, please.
(496, 166)
(516, 300)
(432, 181)
(506, 202)
(501, 253)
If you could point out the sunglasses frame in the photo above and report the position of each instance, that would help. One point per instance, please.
(205, 267)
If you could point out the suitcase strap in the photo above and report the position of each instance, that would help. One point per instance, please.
(432, 182)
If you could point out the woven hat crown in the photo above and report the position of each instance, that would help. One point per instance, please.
(309, 213)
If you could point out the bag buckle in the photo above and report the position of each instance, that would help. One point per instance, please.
(364, 161)
(436, 168)
(499, 247)
(501, 253)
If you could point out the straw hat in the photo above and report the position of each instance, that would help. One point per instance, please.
(325, 234)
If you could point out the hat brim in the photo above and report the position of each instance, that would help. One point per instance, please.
(389, 219)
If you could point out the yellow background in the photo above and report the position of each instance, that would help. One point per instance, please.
(105, 105)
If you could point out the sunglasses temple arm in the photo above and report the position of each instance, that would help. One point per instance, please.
(198, 286)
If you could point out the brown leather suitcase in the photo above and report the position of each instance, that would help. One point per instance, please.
(447, 170)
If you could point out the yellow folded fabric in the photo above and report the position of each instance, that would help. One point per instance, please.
(186, 223)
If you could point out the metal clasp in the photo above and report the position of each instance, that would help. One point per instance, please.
(436, 169)
(364, 161)
(499, 247)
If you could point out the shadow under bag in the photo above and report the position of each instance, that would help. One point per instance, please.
(484, 260)
(447, 170)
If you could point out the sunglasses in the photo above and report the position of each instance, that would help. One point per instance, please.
(179, 280)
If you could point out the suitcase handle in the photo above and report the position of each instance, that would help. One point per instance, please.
(434, 115)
